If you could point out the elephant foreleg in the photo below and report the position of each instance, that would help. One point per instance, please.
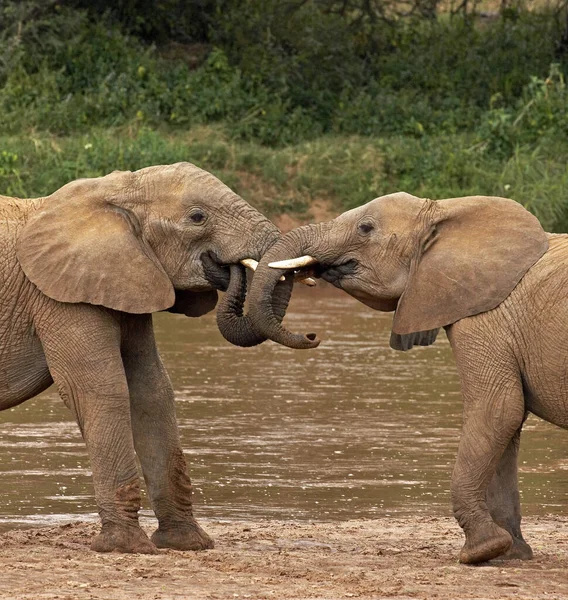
(82, 347)
(504, 503)
(493, 413)
(156, 439)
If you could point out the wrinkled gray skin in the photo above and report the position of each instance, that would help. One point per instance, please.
(484, 269)
(81, 271)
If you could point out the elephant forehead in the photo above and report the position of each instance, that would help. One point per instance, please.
(394, 213)
(183, 181)
(179, 170)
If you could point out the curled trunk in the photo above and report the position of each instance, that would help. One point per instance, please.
(234, 325)
(266, 311)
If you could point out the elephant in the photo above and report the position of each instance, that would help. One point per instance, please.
(81, 273)
(482, 268)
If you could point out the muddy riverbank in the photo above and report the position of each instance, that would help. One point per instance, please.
(376, 558)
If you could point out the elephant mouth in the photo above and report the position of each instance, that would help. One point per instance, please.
(217, 274)
(335, 274)
(231, 278)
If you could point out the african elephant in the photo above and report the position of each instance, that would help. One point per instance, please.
(81, 272)
(482, 268)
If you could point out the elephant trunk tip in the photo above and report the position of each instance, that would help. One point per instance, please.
(313, 338)
(298, 341)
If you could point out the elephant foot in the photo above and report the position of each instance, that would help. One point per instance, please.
(129, 539)
(520, 550)
(484, 544)
(182, 536)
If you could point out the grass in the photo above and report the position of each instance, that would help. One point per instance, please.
(345, 171)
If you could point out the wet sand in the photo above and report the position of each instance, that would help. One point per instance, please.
(377, 558)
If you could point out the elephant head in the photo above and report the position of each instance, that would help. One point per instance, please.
(434, 263)
(162, 238)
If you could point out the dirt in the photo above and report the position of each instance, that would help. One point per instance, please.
(383, 558)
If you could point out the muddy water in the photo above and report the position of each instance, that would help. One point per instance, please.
(352, 429)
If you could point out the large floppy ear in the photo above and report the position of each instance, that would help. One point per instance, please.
(194, 304)
(81, 247)
(409, 340)
(472, 255)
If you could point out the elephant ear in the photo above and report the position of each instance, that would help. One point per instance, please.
(409, 340)
(80, 247)
(468, 262)
(194, 304)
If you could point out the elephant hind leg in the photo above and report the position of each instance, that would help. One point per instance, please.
(504, 503)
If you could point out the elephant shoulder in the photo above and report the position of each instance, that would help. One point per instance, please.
(553, 265)
(557, 246)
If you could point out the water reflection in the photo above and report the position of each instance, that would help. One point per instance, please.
(352, 429)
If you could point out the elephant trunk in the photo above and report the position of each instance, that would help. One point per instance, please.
(234, 325)
(266, 309)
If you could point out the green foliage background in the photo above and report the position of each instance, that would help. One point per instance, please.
(288, 101)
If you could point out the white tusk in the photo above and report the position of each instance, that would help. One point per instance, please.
(249, 263)
(308, 281)
(293, 263)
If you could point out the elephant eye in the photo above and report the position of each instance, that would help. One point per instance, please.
(197, 216)
(366, 227)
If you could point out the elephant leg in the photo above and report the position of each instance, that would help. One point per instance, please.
(504, 503)
(82, 346)
(493, 414)
(156, 439)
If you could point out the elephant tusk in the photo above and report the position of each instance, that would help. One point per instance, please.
(252, 264)
(306, 280)
(294, 263)
(249, 263)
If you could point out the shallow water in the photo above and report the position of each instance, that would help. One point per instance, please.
(349, 430)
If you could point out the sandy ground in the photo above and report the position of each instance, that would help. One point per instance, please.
(383, 558)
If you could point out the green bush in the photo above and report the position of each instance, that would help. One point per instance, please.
(539, 179)
(539, 116)
(287, 102)
(275, 77)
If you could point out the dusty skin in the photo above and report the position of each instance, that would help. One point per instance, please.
(382, 558)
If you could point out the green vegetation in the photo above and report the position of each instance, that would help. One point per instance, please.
(289, 101)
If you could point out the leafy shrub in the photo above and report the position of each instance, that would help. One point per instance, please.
(352, 105)
(540, 114)
(10, 176)
(275, 76)
(539, 180)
